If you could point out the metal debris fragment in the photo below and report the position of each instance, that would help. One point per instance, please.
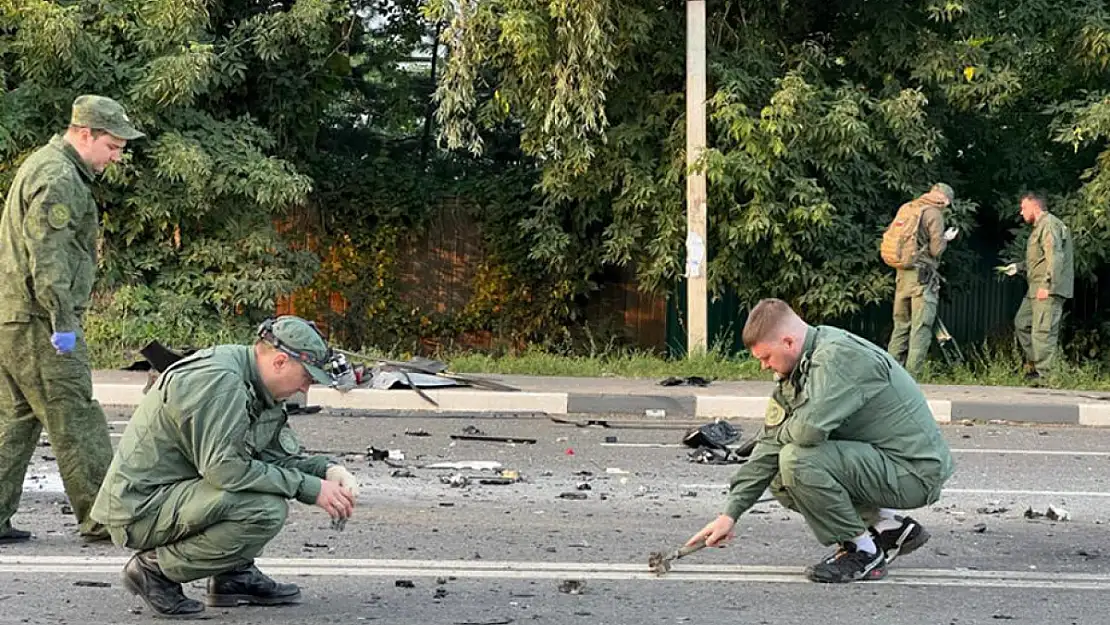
(572, 586)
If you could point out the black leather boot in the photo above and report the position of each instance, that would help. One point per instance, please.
(143, 577)
(9, 535)
(248, 585)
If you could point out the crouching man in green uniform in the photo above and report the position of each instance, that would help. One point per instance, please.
(200, 481)
(848, 439)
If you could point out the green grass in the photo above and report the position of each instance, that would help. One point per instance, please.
(627, 364)
(984, 367)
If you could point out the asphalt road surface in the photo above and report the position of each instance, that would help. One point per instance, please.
(503, 553)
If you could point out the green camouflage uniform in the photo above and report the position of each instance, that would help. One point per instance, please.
(916, 294)
(847, 433)
(205, 467)
(1049, 264)
(48, 236)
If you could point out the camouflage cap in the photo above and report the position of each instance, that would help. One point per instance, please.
(100, 113)
(301, 340)
(946, 190)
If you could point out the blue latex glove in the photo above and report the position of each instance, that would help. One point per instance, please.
(64, 342)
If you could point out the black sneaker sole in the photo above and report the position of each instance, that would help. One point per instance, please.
(910, 545)
(233, 601)
(874, 574)
(155, 613)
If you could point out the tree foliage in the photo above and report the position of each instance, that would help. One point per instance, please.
(823, 118)
(295, 144)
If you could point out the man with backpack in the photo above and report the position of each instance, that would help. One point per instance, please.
(912, 244)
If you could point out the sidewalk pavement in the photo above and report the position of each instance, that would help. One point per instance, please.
(634, 396)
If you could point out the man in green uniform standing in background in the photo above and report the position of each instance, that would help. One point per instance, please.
(48, 236)
(200, 481)
(1050, 273)
(913, 245)
(847, 438)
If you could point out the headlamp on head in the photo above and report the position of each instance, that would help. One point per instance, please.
(303, 341)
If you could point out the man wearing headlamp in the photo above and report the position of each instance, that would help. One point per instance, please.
(200, 481)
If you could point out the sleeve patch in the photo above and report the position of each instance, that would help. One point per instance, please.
(58, 216)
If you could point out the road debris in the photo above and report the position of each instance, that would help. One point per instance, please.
(373, 453)
(979, 528)
(719, 433)
(88, 584)
(990, 509)
(575, 496)
(583, 486)
(494, 439)
(472, 430)
(421, 433)
(655, 413)
(439, 593)
(508, 476)
(455, 480)
(297, 409)
(402, 473)
(712, 444)
(1052, 514)
(472, 465)
(504, 621)
(572, 586)
(660, 562)
(693, 380)
(404, 583)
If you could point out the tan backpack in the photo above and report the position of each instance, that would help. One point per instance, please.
(899, 246)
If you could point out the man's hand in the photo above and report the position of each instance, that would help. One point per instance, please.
(335, 500)
(951, 233)
(340, 475)
(63, 342)
(1042, 293)
(717, 532)
(1010, 270)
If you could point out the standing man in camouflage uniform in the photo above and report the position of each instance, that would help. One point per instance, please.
(917, 284)
(48, 236)
(848, 437)
(1049, 271)
(200, 481)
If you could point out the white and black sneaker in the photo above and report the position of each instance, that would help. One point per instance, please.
(849, 564)
(903, 540)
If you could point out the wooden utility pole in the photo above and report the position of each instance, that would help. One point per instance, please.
(697, 334)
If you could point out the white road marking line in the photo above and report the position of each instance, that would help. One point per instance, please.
(1032, 452)
(966, 491)
(579, 570)
(1017, 452)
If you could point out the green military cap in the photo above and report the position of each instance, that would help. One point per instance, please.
(946, 190)
(301, 340)
(100, 113)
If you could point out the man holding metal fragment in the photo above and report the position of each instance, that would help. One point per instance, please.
(200, 482)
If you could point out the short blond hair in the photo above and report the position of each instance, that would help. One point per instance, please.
(768, 316)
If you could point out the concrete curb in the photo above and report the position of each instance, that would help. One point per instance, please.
(689, 406)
